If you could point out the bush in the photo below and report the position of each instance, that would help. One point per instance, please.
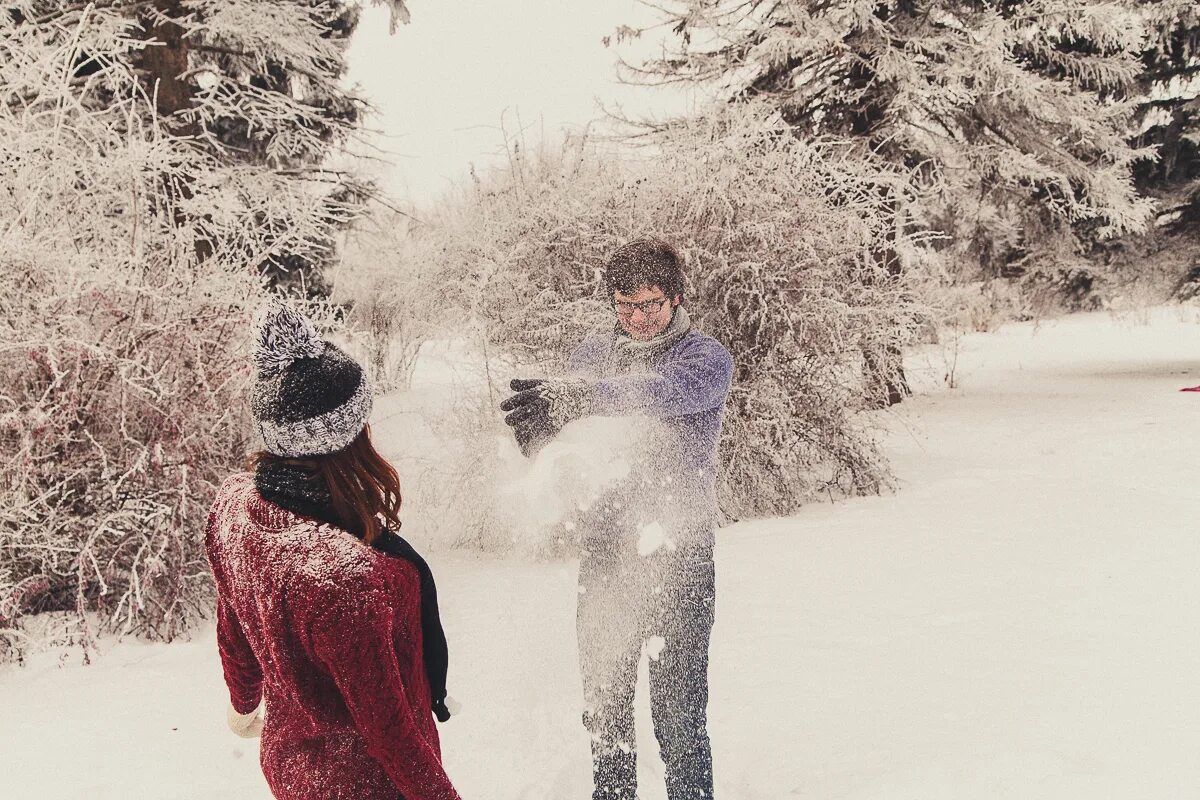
(391, 305)
(127, 267)
(793, 254)
(122, 411)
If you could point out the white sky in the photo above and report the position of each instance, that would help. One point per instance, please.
(446, 83)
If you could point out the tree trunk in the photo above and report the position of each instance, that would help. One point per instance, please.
(165, 62)
(886, 376)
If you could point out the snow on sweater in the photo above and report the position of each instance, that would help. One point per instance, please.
(685, 387)
(328, 631)
(680, 396)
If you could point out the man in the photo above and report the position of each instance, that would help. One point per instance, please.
(646, 569)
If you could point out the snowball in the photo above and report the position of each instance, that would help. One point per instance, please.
(654, 646)
(650, 538)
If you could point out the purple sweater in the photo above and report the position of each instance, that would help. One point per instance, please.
(685, 389)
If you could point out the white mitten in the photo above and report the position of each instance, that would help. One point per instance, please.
(247, 726)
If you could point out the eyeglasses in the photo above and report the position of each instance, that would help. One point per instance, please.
(646, 306)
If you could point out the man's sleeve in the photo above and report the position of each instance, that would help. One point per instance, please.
(354, 642)
(694, 380)
(583, 358)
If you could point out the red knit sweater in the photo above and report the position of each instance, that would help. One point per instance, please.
(328, 631)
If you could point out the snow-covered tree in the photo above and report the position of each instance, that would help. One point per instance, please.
(779, 237)
(1015, 111)
(257, 85)
(148, 172)
(1170, 109)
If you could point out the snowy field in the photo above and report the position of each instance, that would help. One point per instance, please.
(1020, 620)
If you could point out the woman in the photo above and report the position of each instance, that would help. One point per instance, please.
(324, 615)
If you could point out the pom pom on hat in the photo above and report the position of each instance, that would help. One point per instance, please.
(284, 336)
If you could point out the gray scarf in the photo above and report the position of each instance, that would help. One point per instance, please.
(629, 354)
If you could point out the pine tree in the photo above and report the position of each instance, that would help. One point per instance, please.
(1016, 112)
(254, 85)
(154, 156)
(1169, 113)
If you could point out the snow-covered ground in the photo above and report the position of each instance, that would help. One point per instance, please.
(1020, 620)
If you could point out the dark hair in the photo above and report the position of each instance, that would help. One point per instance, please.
(363, 487)
(644, 263)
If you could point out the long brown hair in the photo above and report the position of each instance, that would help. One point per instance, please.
(363, 487)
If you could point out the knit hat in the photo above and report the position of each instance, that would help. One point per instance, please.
(310, 398)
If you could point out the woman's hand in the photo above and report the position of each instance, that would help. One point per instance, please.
(247, 726)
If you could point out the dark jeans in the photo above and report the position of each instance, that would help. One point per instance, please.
(626, 601)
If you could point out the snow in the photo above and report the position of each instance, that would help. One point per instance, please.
(571, 472)
(650, 538)
(654, 646)
(1019, 620)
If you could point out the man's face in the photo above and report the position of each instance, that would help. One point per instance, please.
(644, 314)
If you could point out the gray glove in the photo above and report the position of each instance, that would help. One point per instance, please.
(541, 407)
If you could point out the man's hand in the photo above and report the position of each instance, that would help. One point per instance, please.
(541, 407)
(527, 416)
(559, 400)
